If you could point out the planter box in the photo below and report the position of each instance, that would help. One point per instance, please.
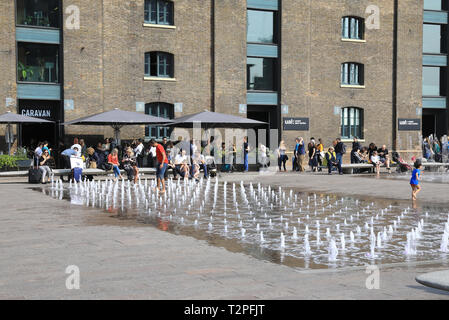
(24, 163)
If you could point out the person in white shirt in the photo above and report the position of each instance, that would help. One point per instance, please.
(138, 153)
(78, 152)
(375, 160)
(263, 155)
(182, 164)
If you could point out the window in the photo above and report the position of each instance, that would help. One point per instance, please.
(159, 64)
(433, 38)
(41, 13)
(261, 74)
(433, 81)
(260, 26)
(159, 12)
(37, 62)
(435, 5)
(352, 123)
(352, 74)
(163, 110)
(352, 28)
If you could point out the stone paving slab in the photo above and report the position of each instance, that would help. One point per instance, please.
(437, 279)
(41, 236)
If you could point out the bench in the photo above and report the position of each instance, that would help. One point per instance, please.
(62, 172)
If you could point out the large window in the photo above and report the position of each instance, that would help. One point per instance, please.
(163, 110)
(435, 4)
(159, 64)
(434, 81)
(37, 62)
(159, 12)
(352, 73)
(352, 28)
(261, 26)
(352, 123)
(261, 74)
(41, 13)
(434, 38)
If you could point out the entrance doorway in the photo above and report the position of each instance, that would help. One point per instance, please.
(428, 124)
(33, 133)
(268, 114)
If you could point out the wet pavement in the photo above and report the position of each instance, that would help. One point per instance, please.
(121, 258)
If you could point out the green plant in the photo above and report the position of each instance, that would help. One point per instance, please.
(8, 162)
(28, 20)
(24, 71)
(21, 153)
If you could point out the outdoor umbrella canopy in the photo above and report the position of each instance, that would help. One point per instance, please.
(118, 118)
(10, 118)
(208, 119)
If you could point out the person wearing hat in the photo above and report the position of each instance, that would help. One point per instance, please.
(332, 161)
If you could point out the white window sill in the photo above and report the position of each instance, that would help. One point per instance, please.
(352, 86)
(159, 79)
(353, 40)
(160, 26)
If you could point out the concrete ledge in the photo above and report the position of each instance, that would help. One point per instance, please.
(61, 172)
(437, 280)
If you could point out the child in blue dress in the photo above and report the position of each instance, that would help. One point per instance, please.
(414, 181)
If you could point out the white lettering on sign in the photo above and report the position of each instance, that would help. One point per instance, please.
(37, 113)
(294, 121)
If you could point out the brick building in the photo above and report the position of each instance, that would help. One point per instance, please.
(345, 68)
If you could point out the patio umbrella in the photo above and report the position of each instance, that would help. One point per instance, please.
(13, 118)
(209, 119)
(117, 119)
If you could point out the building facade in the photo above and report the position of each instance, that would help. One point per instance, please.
(316, 68)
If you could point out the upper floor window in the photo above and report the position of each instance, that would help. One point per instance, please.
(352, 123)
(159, 12)
(434, 81)
(261, 26)
(435, 5)
(40, 13)
(37, 62)
(261, 74)
(163, 110)
(159, 64)
(352, 28)
(434, 36)
(352, 74)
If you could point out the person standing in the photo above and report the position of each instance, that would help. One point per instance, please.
(301, 154)
(38, 153)
(263, 155)
(340, 150)
(320, 153)
(162, 164)
(245, 154)
(295, 156)
(312, 154)
(282, 156)
(139, 153)
(414, 181)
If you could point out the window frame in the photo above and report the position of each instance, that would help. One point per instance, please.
(170, 114)
(168, 10)
(359, 28)
(348, 116)
(348, 74)
(274, 75)
(153, 62)
(275, 27)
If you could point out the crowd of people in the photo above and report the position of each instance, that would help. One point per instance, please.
(315, 156)
(185, 159)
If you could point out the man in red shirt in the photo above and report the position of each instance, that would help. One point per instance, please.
(162, 163)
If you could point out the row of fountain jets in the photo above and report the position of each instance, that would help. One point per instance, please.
(179, 192)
